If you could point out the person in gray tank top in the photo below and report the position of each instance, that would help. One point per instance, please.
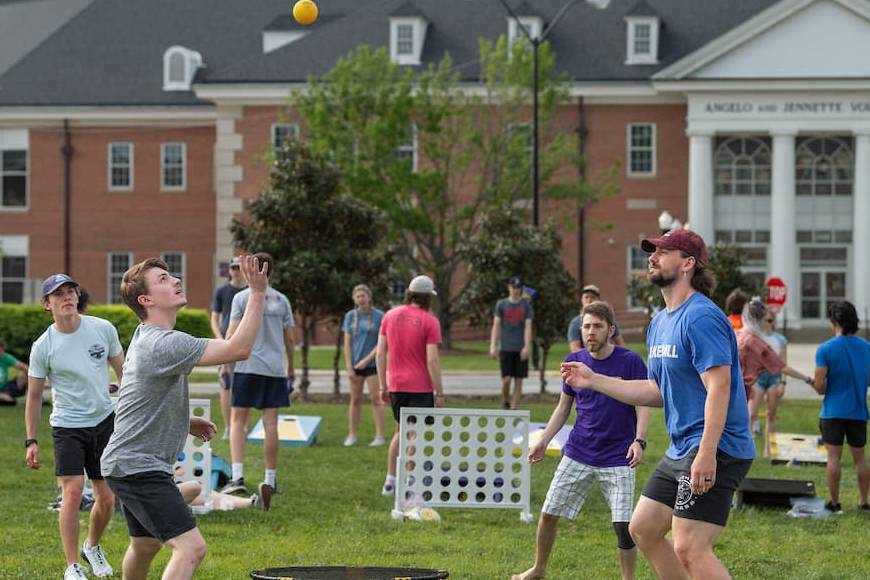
(153, 417)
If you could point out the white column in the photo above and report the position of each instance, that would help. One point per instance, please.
(227, 173)
(783, 259)
(701, 184)
(860, 231)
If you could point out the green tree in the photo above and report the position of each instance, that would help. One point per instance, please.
(506, 245)
(323, 241)
(472, 149)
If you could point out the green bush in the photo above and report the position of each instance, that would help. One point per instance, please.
(21, 325)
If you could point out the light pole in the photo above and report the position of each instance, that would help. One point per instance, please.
(536, 42)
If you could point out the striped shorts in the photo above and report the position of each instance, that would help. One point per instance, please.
(572, 481)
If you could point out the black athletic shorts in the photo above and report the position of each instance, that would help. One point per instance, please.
(399, 400)
(669, 484)
(834, 431)
(259, 391)
(366, 372)
(152, 505)
(12, 389)
(512, 365)
(77, 450)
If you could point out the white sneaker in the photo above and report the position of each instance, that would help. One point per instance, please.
(377, 442)
(94, 556)
(226, 434)
(350, 441)
(75, 572)
(388, 489)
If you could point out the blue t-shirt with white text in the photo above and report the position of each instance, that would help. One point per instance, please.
(682, 344)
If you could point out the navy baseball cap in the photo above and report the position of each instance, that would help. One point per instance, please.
(686, 241)
(54, 282)
(515, 281)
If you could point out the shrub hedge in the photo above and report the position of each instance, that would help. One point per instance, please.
(21, 325)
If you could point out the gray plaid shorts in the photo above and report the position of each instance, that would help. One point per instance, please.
(572, 481)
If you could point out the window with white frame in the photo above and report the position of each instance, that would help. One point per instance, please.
(179, 68)
(283, 131)
(173, 166)
(642, 40)
(532, 25)
(13, 178)
(742, 166)
(13, 272)
(175, 265)
(637, 268)
(119, 262)
(407, 151)
(641, 149)
(120, 166)
(407, 35)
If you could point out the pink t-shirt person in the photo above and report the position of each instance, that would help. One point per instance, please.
(408, 330)
(756, 356)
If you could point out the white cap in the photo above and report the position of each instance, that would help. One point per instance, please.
(422, 285)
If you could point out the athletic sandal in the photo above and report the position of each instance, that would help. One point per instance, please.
(94, 556)
(265, 496)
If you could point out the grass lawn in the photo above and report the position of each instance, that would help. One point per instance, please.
(330, 512)
(466, 356)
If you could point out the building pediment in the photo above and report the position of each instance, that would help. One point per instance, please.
(793, 39)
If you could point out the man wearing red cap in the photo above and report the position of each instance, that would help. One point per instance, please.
(694, 372)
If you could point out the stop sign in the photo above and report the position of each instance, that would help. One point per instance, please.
(775, 292)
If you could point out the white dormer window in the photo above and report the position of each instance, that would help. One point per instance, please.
(407, 36)
(179, 68)
(643, 40)
(533, 25)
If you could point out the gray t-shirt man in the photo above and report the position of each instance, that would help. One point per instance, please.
(153, 417)
(513, 317)
(268, 355)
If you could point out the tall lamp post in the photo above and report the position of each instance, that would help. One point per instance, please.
(536, 42)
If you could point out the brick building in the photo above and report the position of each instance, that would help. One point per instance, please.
(138, 128)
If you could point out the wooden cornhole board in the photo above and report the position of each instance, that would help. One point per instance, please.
(557, 444)
(772, 492)
(293, 430)
(797, 448)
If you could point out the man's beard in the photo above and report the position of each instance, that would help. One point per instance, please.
(660, 279)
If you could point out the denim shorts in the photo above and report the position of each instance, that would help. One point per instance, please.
(766, 380)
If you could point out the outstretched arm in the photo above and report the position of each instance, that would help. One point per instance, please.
(238, 346)
(637, 392)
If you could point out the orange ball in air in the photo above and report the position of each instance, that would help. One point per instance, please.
(305, 12)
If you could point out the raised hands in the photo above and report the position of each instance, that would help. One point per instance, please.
(255, 274)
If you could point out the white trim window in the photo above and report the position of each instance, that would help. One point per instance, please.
(641, 155)
(179, 67)
(281, 131)
(642, 40)
(118, 263)
(13, 178)
(176, 264)
(120, 166)
(532, 24)
(407, 35)
(173, 166)
(13, 275)
(638, 261)
(407, 151)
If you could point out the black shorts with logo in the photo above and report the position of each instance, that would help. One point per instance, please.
(77, 450)
(512, 365)
(399, 400)
(834, 431)
(152, 505)
(669, 484)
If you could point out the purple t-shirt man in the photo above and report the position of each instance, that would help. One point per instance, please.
(605, 428)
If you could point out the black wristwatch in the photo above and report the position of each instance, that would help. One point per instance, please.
(642, 443)
(29, 442)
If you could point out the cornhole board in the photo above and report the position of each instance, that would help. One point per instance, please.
(554, 449)
(293, 431)
(772, 492)
(797, 448)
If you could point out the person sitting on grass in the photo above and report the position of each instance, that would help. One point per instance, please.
(191, 491)
(11, 389)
